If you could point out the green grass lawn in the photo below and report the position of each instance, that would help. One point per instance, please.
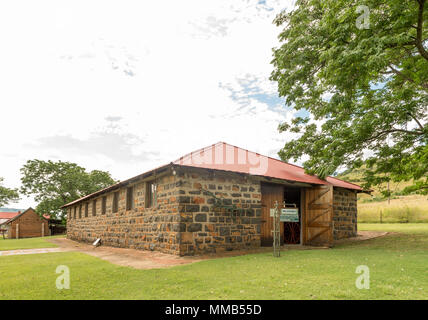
(27, 243)
(398, 270)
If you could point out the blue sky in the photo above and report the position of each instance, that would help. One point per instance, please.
(125, 86)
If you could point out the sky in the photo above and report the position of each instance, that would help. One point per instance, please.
(127, 86)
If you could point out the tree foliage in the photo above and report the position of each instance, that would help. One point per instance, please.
(54, 184)
(7, 195)
(365, 87)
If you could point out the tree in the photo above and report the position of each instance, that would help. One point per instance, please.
(7, 195)
(360, 70)
(54, 184)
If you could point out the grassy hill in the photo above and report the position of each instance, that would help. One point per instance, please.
(399, 208)
(357, 176)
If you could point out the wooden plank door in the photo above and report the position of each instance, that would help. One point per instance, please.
(270, 194)
(318, 216)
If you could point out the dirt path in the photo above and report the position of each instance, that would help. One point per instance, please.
(30, 251)
(141, 259)
(362, 235)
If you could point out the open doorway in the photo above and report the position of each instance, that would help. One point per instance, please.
(292, 230)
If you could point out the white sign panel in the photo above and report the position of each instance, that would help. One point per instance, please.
(289, 215)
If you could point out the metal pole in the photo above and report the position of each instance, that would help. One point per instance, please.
(276, 232)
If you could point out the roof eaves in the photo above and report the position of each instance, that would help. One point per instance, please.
(115, 186)
(17, 216)
(247, 174)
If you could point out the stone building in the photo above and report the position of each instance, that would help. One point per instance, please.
(214, 199)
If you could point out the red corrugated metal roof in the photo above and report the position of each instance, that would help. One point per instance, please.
(344, 184)
(223, 156)
(9, 215)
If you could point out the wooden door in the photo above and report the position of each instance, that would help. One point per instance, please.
(270, 194)
(318, 216)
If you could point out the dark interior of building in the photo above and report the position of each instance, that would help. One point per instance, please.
(292, 229)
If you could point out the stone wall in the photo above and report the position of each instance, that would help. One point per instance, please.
(155, 228)
(344, 213)
(219, 211)
(198, 211)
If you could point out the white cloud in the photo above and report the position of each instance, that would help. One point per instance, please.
(126, 86)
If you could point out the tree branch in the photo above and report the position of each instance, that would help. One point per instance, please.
(419, 29)
(417, 121)
(396, 45)
(392, 131)
(397, 72)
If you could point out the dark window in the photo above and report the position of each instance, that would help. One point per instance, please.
(104, 205)
(130, 198)
(86, 209)
(115, 202)
(150, 198)
(94, 208)
(80, 212)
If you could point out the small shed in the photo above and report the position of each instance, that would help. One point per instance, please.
(27, 224)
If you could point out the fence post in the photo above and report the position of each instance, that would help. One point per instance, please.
(17, 231)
